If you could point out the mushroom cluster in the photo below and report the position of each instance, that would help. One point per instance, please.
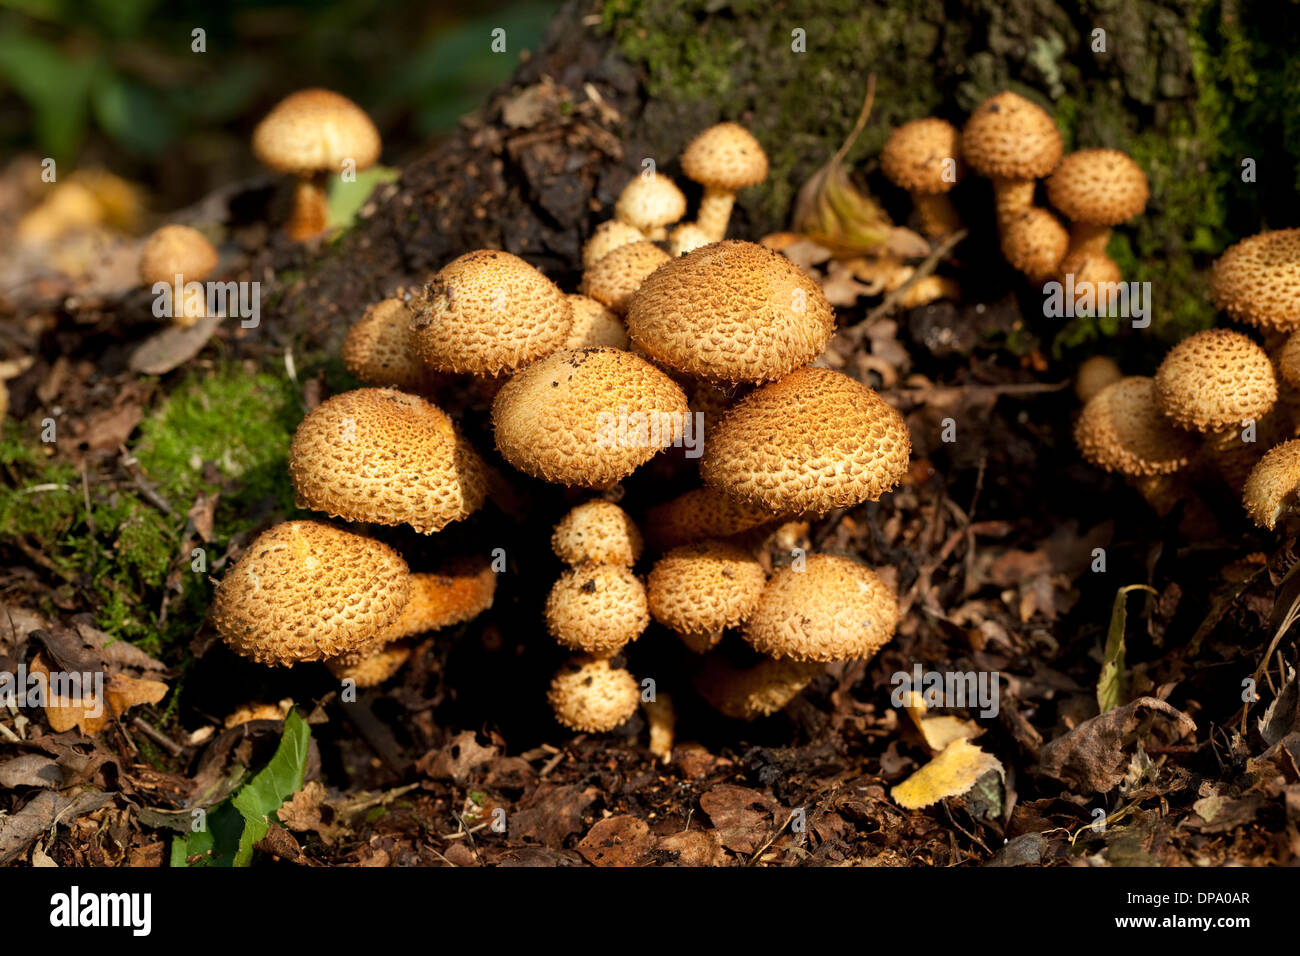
(1220, 399)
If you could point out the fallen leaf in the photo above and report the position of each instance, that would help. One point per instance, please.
(694, 848)
(31, 770)
(616, 841)
(19, 830)
(173, 347)
(742, 817)
(950, 774)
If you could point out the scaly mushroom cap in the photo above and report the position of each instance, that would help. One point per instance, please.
(608, 237)
(687, 238)
(380, 349)
(731, 312)
(488, 312)
(597, 532)
(173, 250)
(597, 609)
(701, 513)
(1288, 360)
(459, 592)
(1121, 429)
(1271, 488)
(1094, 374)
(1103, 187)
(590, 695)
(1096, 268)
(315, 131)
(387, 457)
(594, 326)
(306, 590)
(698, 590)
(1257, 281)
(1007, 136)
(373, 669)
(725, 156)
(916, 155)
(587, 417)
(833, 610)
(649, 203)
(1215, 379)
(613, 280)
(751, 692)
(1035, 243)
(813, 441)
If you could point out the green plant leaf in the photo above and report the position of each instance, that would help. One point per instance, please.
(55, 87)
(1110, 683)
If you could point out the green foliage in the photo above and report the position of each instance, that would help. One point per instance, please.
(237, 823)
(1111, 680)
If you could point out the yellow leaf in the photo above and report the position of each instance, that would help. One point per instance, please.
(950, 774)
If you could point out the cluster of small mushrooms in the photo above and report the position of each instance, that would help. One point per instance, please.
(724, 328)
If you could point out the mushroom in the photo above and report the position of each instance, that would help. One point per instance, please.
(597, 609)
(1094, 374)
(597, 532)
(614, 279)
(1098, 270)
(372, 669)
(701, 513)
(387, 457)
(460, 592)
(723, 159)
(608, 237)
(924, 157)
(730, 312)
(587, 417)
(1034, 242)
(177, 255)
(594, 326)
(746, 693)
(1097, 189)
(834, 609)
(486, 312)
(1257, 281)
(379, 349)
(687, 238)
(589, 694)
(1288, 360)
(310, 134)
(649, 203)
(1014, 142)
(813, 441)
(699, 590)
(1270, 490)
(1215, 379)
(306, 590)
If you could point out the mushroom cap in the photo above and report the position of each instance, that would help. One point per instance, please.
(387, 457)
(1103, 187)
(1010, 137)
(835, 609)
(687, 237)
(701, 513)
(915, 154)
(597, 532)
(1270, 490)
(597, 609)
(379, 349)
(459, 592)
(1257, 280)
(608, 237)
(704, 588)
(306, 590)
(750, 692)
(575, 417)
(489, 312)
(1095, 373)
(731, 312)
(1121, 429)
(1215, 379)
(1088, 266)
(613, 280)
(725, 156)
(590, 695)
(173, 250)
(648, 202)
(315, 131)
(813, 441)
(1288, 360)
(372, 669)
(1035, 242)
(594, 326)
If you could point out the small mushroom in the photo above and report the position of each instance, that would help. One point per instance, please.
(924, 157)
(1257, 281)
(1098, 270)
(372, 669)
(1097, 189)
(310, 134)
(594, 326)
(1013, 142)
(730, 312)
(1034, 242)
(723, 159)
(589, 694)
(613, 280)
(701, 513)
(1270, 490)
(699, 590)
(687, 238)
(597, 532)
(649, 203)
(1094, 374)
(608, 237)
(597, 609)
(1216, 379)
(459, 592)
(747, 693)
(179, 253)
(813, 441)
(379, 349)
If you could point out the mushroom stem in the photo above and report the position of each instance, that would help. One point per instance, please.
(1161, 492)
(1012, 196)
(1087, 237)
(937, 214)
(310, 209)
(715, 212)
(700, 643)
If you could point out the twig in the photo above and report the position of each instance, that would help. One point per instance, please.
(856, 333)
(156, 735)
(770, 840)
